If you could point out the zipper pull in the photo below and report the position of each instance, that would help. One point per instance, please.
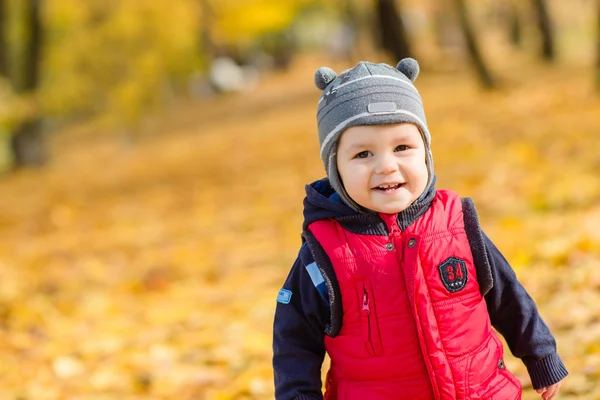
(395, 230)
(365, 308)
(391, 222)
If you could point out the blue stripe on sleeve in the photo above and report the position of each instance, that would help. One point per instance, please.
(315, 274)
(317, 279)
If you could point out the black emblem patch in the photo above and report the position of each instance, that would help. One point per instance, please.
(330, 96)
(453, 272)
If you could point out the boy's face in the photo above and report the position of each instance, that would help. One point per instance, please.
(372, 157)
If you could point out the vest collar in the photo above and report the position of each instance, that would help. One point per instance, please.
(370, 223)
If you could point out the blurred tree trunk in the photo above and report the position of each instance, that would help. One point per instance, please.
(544, 24)
(28, 142)
(483, 72)
(354, 23)
(392, 33)
(32, 52)
(3, 46)
(361, 17)
(447, 34)
(515, 29)
(207, 43)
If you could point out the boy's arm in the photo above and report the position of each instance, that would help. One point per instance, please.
(298, 336)
(514, 314)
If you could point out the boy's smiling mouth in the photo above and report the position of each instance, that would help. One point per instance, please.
(389, 187)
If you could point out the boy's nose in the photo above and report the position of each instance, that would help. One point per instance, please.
(386, 164)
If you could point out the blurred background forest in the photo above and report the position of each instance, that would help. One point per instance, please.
(153, 156)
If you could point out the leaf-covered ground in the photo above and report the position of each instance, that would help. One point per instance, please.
(149, 268)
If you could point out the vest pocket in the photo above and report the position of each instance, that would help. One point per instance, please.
(487, 376)
(368, 318)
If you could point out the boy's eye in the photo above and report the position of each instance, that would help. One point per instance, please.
(362, 154)
(402, 147)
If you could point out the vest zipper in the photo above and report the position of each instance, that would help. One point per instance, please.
(367, 330)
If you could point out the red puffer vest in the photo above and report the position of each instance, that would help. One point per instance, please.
(415, 325)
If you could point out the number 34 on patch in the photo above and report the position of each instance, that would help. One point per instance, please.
(453, 273)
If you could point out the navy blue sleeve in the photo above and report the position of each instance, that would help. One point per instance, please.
(298, 335)
(515, 315)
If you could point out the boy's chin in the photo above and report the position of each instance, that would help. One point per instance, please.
(393, 208)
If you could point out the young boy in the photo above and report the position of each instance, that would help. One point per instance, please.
(395, 280)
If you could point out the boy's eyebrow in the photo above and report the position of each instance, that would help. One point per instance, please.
(358, 146)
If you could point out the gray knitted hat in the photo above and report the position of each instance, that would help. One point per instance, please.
(368, 94)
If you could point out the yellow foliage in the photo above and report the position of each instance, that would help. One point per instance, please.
(245, 20)
(13, 108)
(120, 59)
(116, 57)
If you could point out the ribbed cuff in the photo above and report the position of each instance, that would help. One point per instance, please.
(305, 397)
(547, 371)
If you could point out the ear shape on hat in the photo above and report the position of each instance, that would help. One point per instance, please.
(324, 76)
(409, 67)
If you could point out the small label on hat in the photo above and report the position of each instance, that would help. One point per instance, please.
(382, 107)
